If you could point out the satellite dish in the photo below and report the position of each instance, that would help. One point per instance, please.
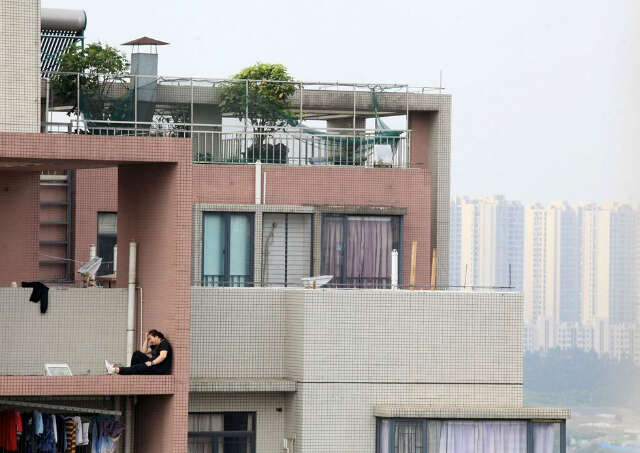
(318, 280)
(91, 266)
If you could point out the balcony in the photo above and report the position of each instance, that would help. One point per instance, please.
(81, 328)
(349, 124)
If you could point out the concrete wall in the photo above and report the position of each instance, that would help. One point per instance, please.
(270, 423)
(349, 351)
(81, 327)
(19, 222)
(350, 187)
(20, 65)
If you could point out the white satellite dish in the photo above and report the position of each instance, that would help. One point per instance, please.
(91, 266)
(319, 280)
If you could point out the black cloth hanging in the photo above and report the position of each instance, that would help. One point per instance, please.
(40, 294)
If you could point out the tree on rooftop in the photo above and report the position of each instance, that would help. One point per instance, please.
(261, 95)
(100, 68)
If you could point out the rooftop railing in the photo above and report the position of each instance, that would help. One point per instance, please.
(241, 121)
(220, 144)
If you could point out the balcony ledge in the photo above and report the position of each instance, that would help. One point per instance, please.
(239, 385)
(86, 385)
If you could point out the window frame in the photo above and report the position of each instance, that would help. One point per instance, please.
(226, 215)
(530, 423)
(286, 215)
(104, 268)
(214, 436)
(399, 219)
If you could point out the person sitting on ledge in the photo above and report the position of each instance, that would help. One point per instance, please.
(155, 357)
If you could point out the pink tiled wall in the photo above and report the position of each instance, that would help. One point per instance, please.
(19, 220)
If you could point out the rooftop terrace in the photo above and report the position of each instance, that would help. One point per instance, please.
(319, 123)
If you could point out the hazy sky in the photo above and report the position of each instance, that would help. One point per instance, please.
(546, 95)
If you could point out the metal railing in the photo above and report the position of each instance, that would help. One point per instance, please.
(219, 144)
(160, 106)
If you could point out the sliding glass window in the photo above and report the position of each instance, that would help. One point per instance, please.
(356, 250)
(227, 255)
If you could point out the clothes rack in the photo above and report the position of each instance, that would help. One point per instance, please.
(57, 408)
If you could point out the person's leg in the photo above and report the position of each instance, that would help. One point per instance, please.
(139, 368)
(138, 357)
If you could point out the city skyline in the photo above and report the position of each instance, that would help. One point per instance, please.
(574, 263)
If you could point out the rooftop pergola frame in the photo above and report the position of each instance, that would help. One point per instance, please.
(327, 101)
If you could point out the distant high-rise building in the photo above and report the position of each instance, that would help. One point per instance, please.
(562, 260)
(609, 267)
(486, 242)
(535, 224)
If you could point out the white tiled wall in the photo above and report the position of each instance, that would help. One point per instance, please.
(20, 65)
(349, 351)
(81, 327)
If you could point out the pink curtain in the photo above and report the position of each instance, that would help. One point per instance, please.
(332, 247)
(369, 250)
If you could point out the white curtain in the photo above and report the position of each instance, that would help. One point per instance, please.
(384, 436)
(502, 437)
(544, 438)
(458, 437)
(483, 437)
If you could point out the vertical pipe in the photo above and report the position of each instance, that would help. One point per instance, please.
(394, 269)
(129, 425)
(135, 105)
(46, 106)
(264, 189)
(131, 299)
(78, 103)
(92, 251)
(191, 110)
(115, 260)
(258, 182)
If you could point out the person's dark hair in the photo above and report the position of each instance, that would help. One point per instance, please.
(157, 333)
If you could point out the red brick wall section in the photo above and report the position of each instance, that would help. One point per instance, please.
(96, 190)
(224, 183)
(333, 186)
(421, 124)
(155, 211)
(19, 221)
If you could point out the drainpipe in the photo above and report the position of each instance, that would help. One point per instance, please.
(115, 260)
(394, 269)
(131, 305)
(129, 425)
(258, 182)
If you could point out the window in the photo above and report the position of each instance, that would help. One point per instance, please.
(107, 239)
(227, 258)
(469, 436)
(356, 250)
(227, 432)
(286, 248)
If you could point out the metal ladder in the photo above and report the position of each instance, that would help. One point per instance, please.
(56, 253)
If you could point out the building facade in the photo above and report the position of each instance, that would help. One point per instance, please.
(216, 225)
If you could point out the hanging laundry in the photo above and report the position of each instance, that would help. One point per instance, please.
(40, 294)
(37, 422)
(70, 430)
(10, 429)
(55, 428)
(46, 441)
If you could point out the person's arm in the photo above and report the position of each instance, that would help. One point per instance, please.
(145, 345)
(159, 359)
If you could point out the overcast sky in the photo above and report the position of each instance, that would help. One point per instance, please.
(546, 93)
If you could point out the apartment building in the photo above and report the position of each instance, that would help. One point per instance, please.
(486, 243)
(216, 225)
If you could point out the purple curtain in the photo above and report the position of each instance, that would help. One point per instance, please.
(332, 247)
(369, 251)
